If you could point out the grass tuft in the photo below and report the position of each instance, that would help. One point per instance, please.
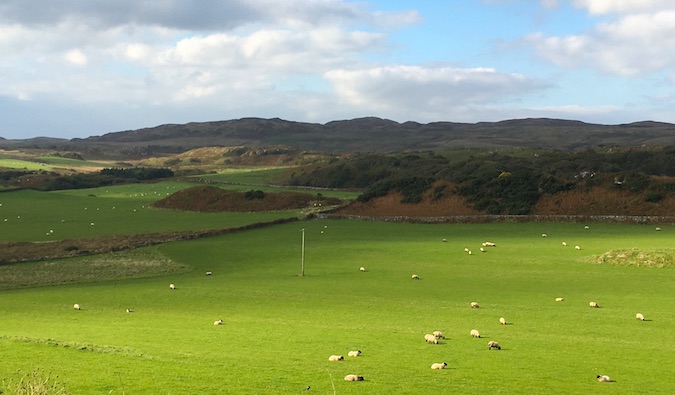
(635, 257)
(36, 382)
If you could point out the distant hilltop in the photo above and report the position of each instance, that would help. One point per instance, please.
(368, 134)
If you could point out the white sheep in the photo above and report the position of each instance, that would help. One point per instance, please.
(604, 379)
(559, 299)
(475, 333)
(564, 244)
(353, 377)
(493, 344)
(502, 321)
(335, 358)
(474, 305)
(594, 305)
(172, 286)
(444, 240)
(658, 229)
(482, 249)
(429, 338)
(415, 277)
(639, 317)
(76, 306)
(470, 252)
(466, 250)
(129, 311)
(439, 335)
(439, 365)
(218, 322)
(489, 244)
(354, 353)
(363, 269)
(544, 235)
(209, 273)
(587, 227)
(577, 247)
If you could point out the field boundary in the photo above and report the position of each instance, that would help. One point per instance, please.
(637, 219)
(25, 251)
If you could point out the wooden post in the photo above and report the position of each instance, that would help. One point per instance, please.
(302, 269)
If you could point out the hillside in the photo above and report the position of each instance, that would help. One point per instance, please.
(358, 135)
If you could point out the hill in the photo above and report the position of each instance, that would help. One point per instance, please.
(368, 134)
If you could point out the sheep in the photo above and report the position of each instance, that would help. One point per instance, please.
(209, 273)
(172, 286)
(129, 311)
(470, 252)
(415, 277)
(577, 247)
(639, 317)
(218, 322)
(493, 344)
(335, 358)
(594, 305)
(564, 244)
(354, 353)
(444, 240)
(544, 235)
(439, 365)
(475, 333)
(363, 269)
(429, 338)
(587, 227)
(353, 377)
(439, 335)
(482, 249)
(604, 379)
(559, 299)
(76, 306)
(474, 305)
(489, 244)
(658, 229)
(466, 250)
(502, 321)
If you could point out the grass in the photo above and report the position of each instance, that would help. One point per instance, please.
(43, 216)
(280, 328)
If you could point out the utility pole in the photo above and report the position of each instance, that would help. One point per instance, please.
(302, 270)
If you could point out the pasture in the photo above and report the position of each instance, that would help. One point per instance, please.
(279, 328)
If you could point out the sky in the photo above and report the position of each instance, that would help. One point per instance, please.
(79, 68)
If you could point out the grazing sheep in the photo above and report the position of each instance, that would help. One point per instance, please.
(604, 379)
(482, 249)
(544, 235)
(594, 305)
(354, 353)
(475, 333)
(470, 252)
(474, 305)
(209, 273)
(564, 244)
(129, 311)
(218, 322)
(172, 286)
(502, 321)
(489, 244)
(444, 240)
(439, 365)
(493, 344)
(76, 306)
(334, 358)
(559, 299)
(466, 250)
(439, 335)
(363, 269)
(658, 229)
(353, 377)
(639, 317)
(429, 338)
(586, 227)
(415, 277)
(577, 247)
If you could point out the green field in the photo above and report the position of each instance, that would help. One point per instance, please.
(279, 328)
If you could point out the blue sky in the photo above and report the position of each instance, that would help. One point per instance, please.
(77, 68)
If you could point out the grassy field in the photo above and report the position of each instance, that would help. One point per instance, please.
(32, 216)
(279, 328)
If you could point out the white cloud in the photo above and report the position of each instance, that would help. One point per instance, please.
(412, 92)
(76, 57)
(623, 6)
(631, 45)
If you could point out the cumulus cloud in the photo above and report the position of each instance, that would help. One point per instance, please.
(638, 40)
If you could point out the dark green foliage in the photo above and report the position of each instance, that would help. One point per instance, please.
(251, 195)
(138, 173)
(497, 183)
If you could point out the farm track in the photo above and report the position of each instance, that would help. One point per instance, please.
(24, 251)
